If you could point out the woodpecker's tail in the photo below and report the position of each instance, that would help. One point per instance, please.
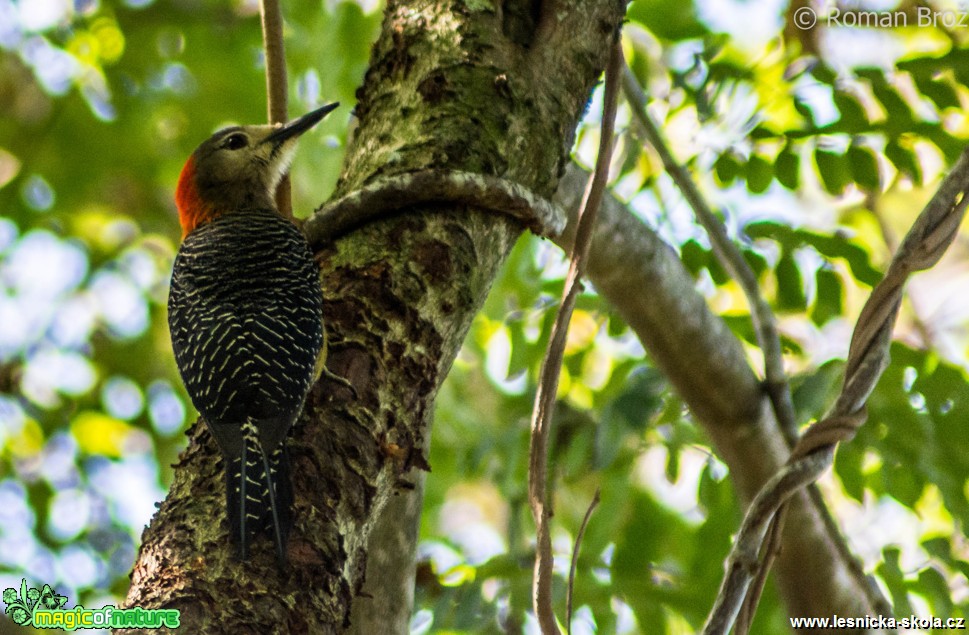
(259, 494)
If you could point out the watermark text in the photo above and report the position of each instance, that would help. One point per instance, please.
(880, 622)
(808, 17)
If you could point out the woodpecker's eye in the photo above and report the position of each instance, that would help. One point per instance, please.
(235, 141)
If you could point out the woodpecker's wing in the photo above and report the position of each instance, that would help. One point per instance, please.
(245, 314)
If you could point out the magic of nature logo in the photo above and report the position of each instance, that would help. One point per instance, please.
(43, 608)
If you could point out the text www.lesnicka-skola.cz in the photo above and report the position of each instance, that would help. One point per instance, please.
(880, 622)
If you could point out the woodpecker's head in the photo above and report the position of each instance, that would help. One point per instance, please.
(238, 168)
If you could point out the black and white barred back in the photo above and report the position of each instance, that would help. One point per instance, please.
(245, 313)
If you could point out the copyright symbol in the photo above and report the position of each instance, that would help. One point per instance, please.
(805, 18)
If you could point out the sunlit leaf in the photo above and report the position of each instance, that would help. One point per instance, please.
(726, 168)
(668, 19)
(786, 168)
(864, 167)
(853, 115)
(99, 434)
(790, 284)
(905, 160)
(834, 170)
(829, 300)
(829, 246)
(759, 174)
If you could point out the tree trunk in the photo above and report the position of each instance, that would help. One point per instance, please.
(496, 88)
(386, 602)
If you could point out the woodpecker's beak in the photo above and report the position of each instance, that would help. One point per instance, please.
(296, 127)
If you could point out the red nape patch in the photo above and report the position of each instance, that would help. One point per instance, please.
(192, 210)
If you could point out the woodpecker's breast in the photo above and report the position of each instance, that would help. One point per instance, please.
(245, 313)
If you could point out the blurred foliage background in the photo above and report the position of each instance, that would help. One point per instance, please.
(818, 145)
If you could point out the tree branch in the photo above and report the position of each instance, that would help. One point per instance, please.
(277, 91)
(742, 563)
(386, 601)
(552, 363)
(569, 591)
(385, 197)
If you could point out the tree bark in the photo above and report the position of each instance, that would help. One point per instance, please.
(493, 88)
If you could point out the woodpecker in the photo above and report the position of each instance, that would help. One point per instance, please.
(245, 313)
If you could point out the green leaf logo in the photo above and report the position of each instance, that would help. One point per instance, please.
(21, 606)
(50, 600)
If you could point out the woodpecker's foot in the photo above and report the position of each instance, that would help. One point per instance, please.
(343, 381)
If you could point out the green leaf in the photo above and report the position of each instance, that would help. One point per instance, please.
(827, 245)
(672, 466)
(756, 262)
(933, 586)
(853, 115)
(904, 161)
(939, 548)
(864, 167)
(790, 284)
(668, 19)
(900, 115)
(813, 394)
(940, 91)
(616, 326)
(641, 400)
(759, 174)
(833, 169)
(891, 573)
(804, 110)
(829, 302)
(726, 168)
(741, 326)
(786, 168)
(904, 483)
(824, 73)
(696, 258)
(848, 465)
